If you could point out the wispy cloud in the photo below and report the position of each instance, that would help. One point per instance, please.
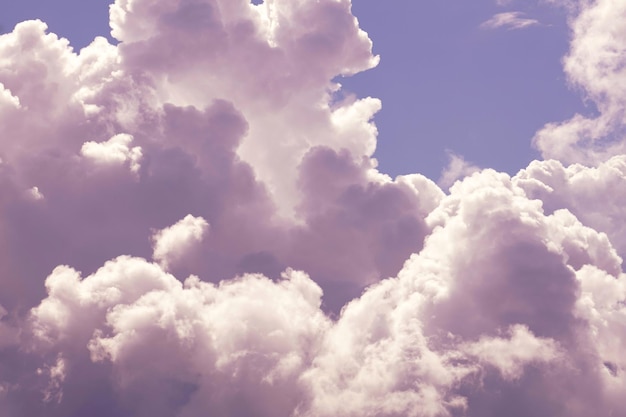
(509, 20)
(458, 168)
(255, 234)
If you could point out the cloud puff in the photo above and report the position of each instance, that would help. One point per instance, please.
(114, 151)
(594, 194)
(503, 303)
(511, 356)
(509, 20)
(171, 243)
(210, 346)
(495, 265)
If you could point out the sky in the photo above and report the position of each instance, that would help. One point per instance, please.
(312, 208)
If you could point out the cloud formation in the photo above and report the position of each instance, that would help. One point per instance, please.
(458, 168)
(192, 224)
(508, 20)
(114, 151)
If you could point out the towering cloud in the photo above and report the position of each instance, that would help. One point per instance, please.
(192, 223)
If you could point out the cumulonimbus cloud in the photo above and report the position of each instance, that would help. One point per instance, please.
(304, 282)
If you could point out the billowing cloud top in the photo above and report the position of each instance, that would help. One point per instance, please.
(192, 224)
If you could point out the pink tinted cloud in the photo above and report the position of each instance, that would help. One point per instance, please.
(509, 20)
(595, 64)
(190, 225)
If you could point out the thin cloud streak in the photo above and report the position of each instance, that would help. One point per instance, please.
(509, 20)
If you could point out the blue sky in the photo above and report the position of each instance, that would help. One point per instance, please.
(446, 83)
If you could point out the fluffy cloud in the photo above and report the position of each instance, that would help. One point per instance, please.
(323, 287)
(594, 194)
(183, 348)
(513, 301)
(114, 151)
(458, 168)
(596, 65)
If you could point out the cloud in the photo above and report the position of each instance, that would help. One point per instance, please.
(511, 356)
(497, 299)
(415, 344)
(509, 20)
(457, 169)
(173, 242)
(56, 376)
(200, 336)
(323, 287)
(593, 194)
(595, 65)
(114, 151)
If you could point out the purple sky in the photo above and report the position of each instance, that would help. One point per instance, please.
(193, 221)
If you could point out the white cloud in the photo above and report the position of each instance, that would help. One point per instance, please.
(56, 375)
(596, 195)
(250, 336)
(509, 20)
(495, 264)
(457, 168)
(595, 64)
(8, 99)
(171, 243)
(115, 151)
(511, 356)
(35, 194)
